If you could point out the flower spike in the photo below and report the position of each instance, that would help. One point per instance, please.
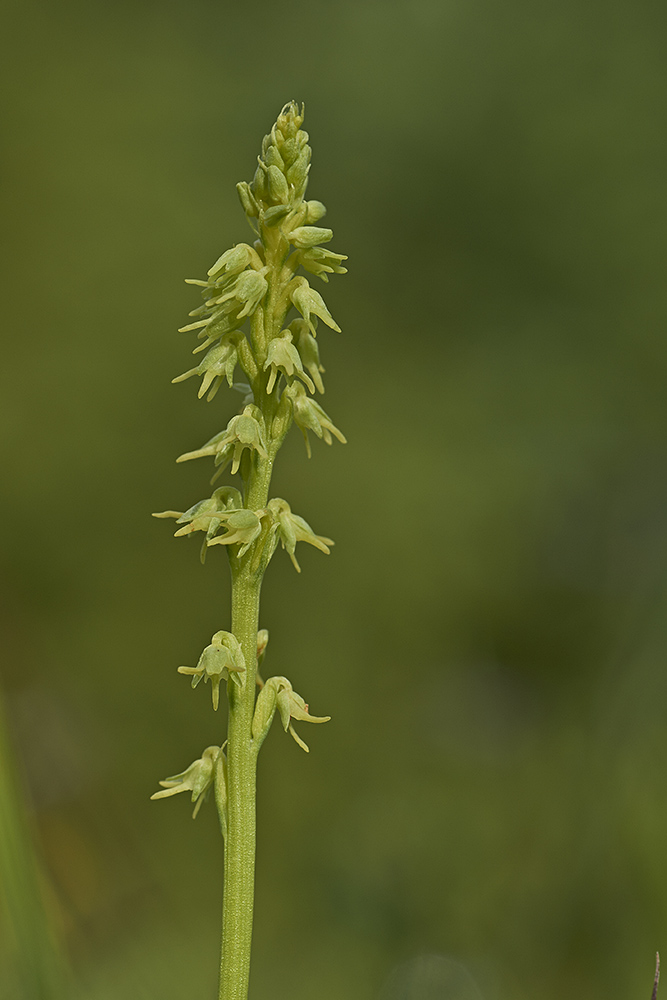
(243, 322)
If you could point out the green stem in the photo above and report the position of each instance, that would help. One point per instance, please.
(239, 885)
(239, 873)
(262, 280)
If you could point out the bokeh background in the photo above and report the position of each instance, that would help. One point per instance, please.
(490, 632)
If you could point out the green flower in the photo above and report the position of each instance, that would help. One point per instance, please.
(322, 262)
(279, 694)
(248, 290)
(206, 515)
(197, 779)
(212, 447)
(200, 515)
(222, 659)
(220, 361)
(231, 293)
(283, 357)
(232, 261)
(290, 529)
(292, 706)
(309, 416)
(310, 303)
(243, 527)
(217, 318)
(242, 431)
(222, 326)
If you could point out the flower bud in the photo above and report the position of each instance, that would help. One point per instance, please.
(247, 199)
(278, 187)
(262, 643)
(315, 211)
(283, 418)
(289, 151)
(290, 120)
(265, 708)
(259, 187)
(220, 788)
(272, 158)
(273, 215)
(308, 350)
(298, 172)
(309, 236)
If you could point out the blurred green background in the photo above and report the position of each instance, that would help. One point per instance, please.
(490, 632)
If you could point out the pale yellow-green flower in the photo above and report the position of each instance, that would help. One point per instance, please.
(221, 659)
(290, 529)
(197, 779)
(310, 303)
(279, 694)
(284, 358)
(309, 416)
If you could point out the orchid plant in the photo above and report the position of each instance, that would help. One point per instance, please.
(244, 323)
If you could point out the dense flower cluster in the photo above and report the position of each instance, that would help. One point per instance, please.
(244, 323)
(247, 282)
